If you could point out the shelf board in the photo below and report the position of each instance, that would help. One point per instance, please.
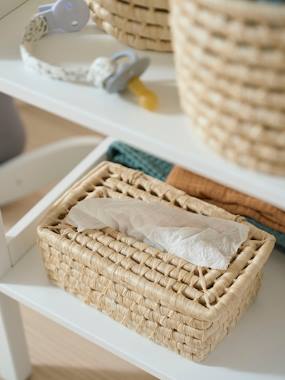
(254, 350)
(166, 133)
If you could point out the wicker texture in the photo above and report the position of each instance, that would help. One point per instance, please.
(141, 24)
(230, 60)
(182, 306)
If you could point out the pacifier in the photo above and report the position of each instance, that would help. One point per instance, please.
(72, 16)
(65, 15)
(129, 67)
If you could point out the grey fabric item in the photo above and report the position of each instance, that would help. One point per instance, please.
(12, 134)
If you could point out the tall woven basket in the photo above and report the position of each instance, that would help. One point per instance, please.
(141, 24)
(230, 59)
(187, 308)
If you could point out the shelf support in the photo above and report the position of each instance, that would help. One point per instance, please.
(14, 358)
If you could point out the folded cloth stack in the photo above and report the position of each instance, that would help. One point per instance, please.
(257, 212)
(261, 214)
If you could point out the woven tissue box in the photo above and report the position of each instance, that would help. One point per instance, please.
(141, 24)
(186, 308)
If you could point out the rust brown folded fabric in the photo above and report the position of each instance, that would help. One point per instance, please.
(229, 199)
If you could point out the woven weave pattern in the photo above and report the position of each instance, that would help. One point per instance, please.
(184, 307)
(230, 59)
(142, 24)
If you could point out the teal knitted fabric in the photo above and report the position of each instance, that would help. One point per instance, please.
(280, 236)
(135, 159)
(132, 158)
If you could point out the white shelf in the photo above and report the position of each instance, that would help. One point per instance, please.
(166, 133)
(254, 349)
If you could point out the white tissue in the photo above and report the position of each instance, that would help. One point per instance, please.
(201, 240)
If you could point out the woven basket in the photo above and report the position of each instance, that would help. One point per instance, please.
(141, 24)
(186, 308)
(230, 58)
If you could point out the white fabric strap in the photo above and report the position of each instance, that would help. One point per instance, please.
(95, 74)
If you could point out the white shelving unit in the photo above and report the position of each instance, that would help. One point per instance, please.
(255, 349)
(166, 133)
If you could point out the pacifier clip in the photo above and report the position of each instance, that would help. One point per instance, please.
(114, 74)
